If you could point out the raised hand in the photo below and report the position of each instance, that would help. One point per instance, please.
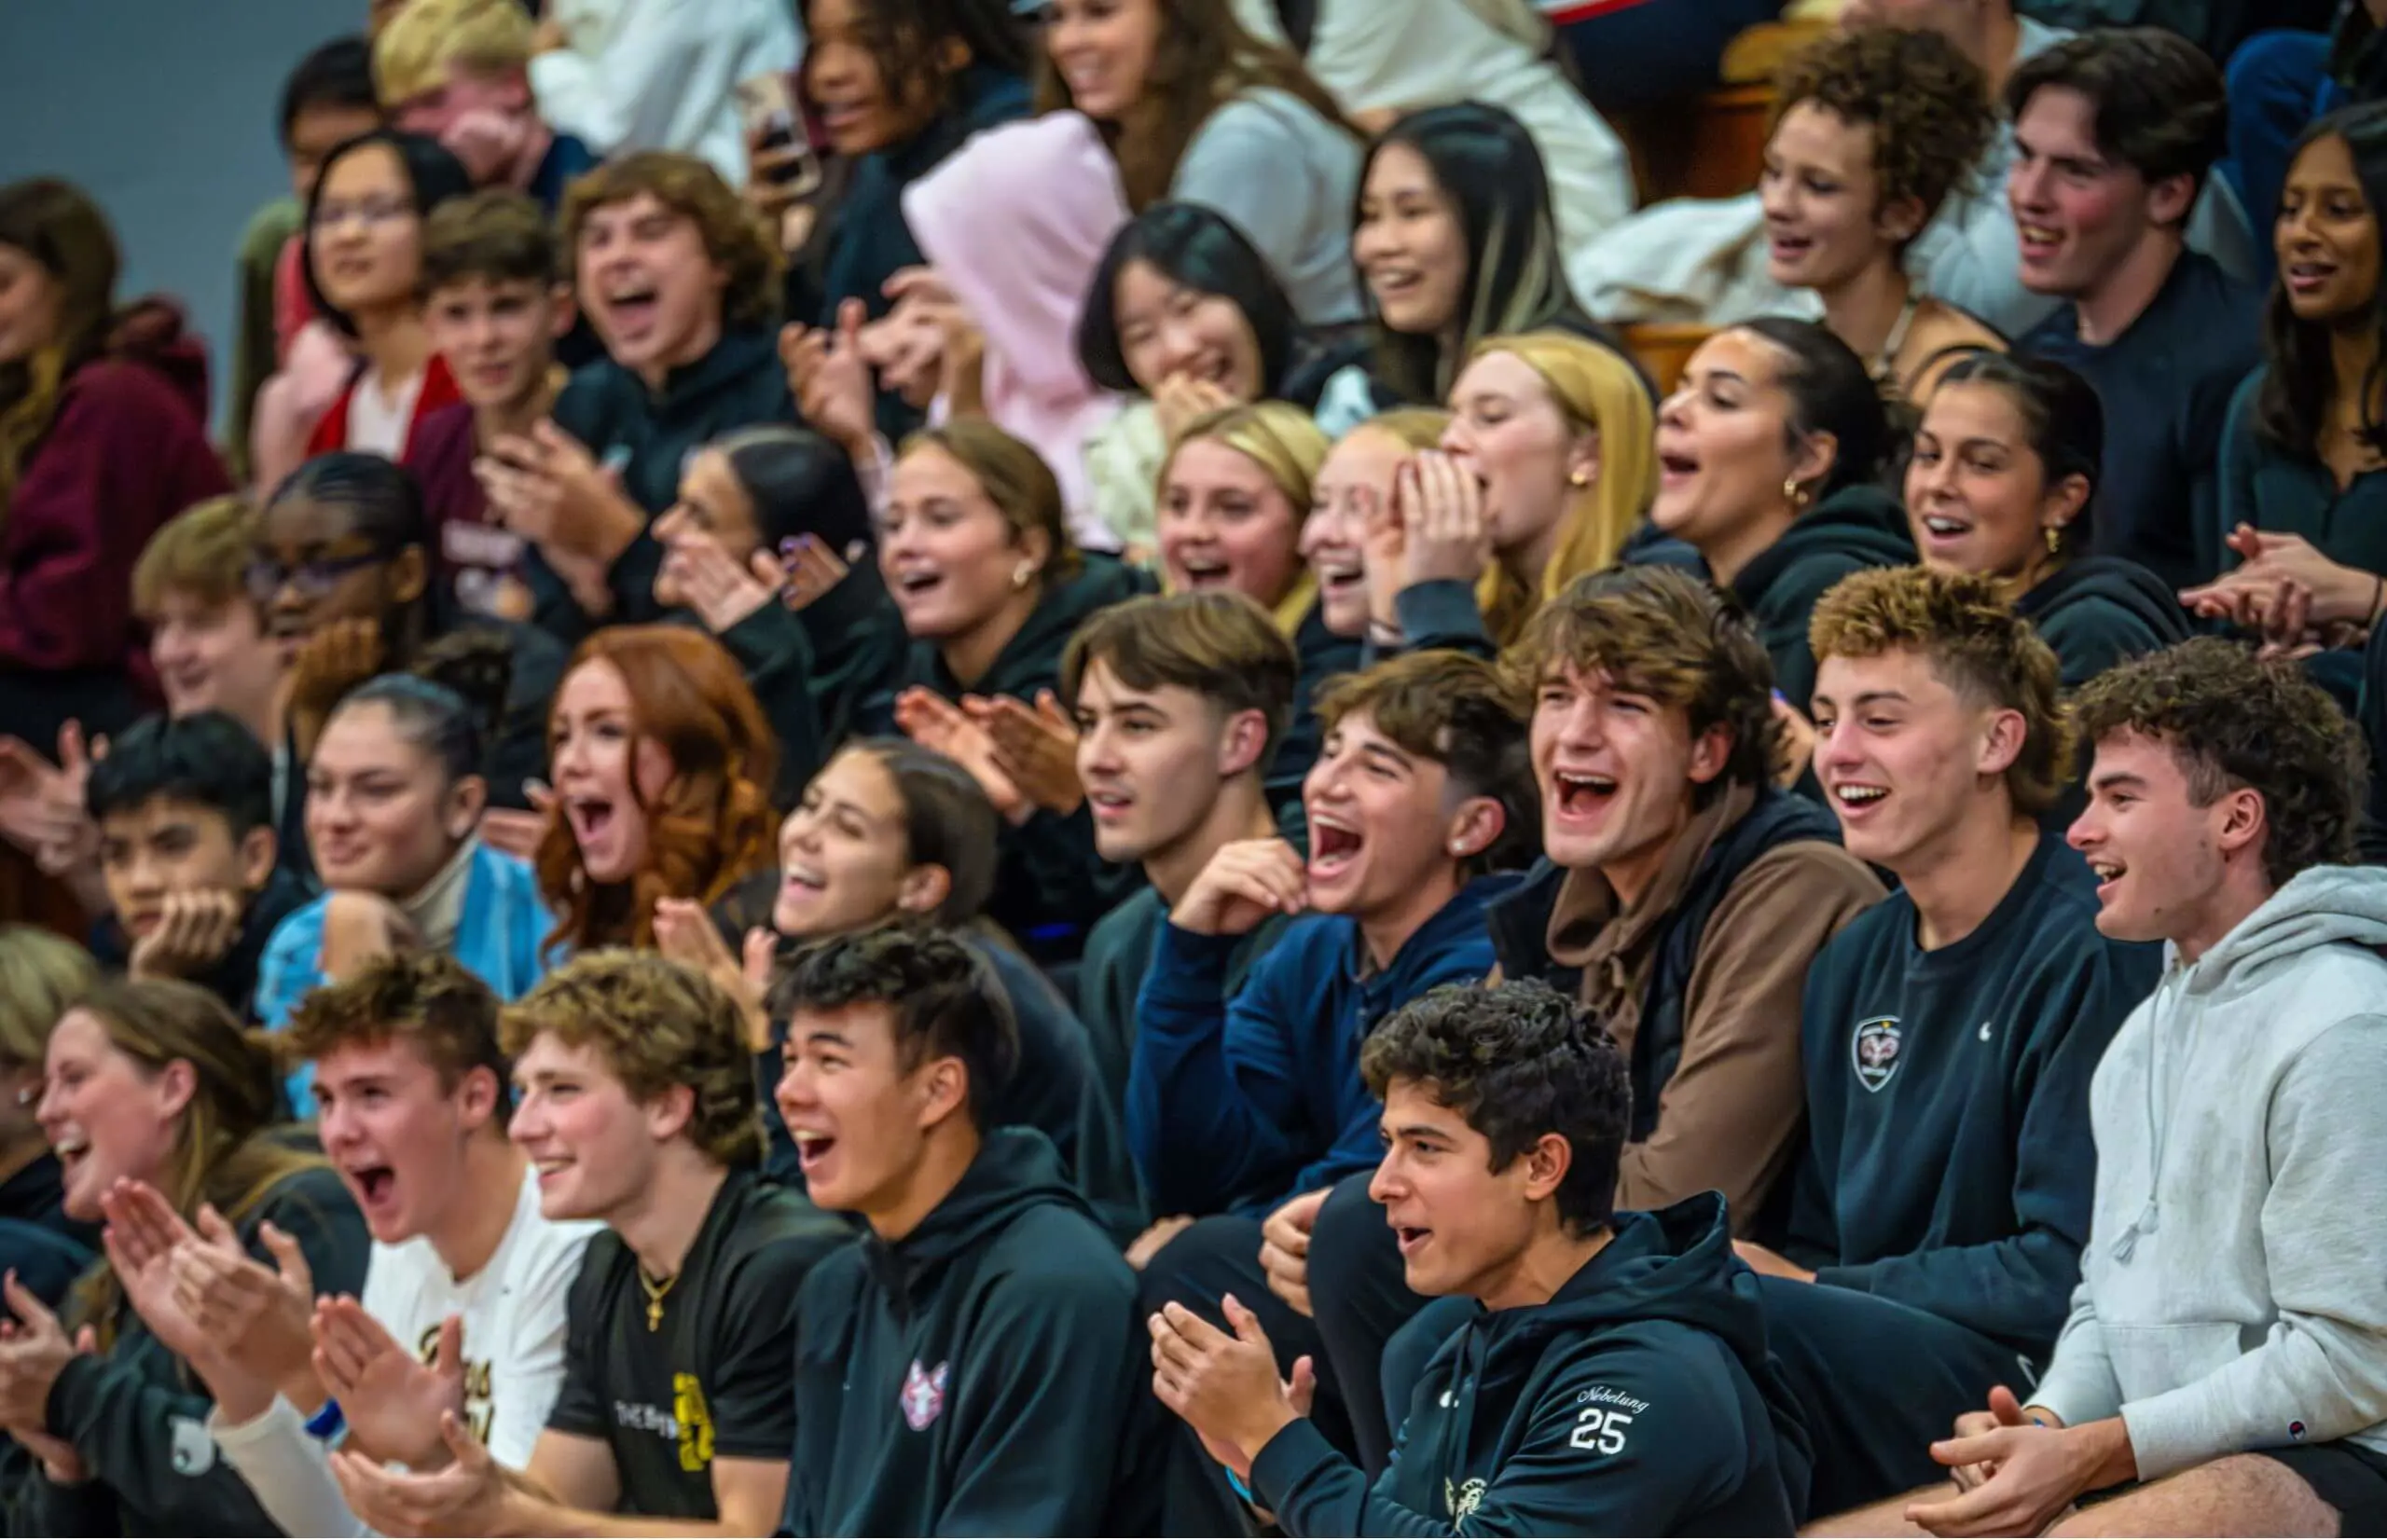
(328, 664)
(141, 1235)
(932, 722)
(1036, 749)
(812, 569)
(1245, 882)
(259, 1317)
(466, 1497)
(391, 1400)
(196, 929)
(722, 593)
(515, 831)
(358, 926)
(1445, 535)
(684, 934)
(1181, 399)
(1225, 1385)
(1284, 1247)
(830, 380)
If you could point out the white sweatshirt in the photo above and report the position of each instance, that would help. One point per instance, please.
(2233, 1294)
(663, 74)
(513, 1313)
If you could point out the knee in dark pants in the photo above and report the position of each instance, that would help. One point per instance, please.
(1359, 1289)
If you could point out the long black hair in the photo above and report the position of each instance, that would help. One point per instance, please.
(800, 484)
(1489, 168)
(432, 174)
(2293, 402)
(1201, 249)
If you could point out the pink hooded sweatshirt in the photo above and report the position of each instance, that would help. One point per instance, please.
(1016, 222)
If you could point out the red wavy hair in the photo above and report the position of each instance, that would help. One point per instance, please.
(713, 824)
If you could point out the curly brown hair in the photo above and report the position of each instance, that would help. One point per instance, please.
(1517, 1060)
(733, 235)
(712, 826)
(2235, 721)
(1927, 104)
(1661, 632)
(427, 998)
(1976, 645)
(658, 1026)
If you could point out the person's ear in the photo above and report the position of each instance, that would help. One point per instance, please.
(1812, 461)
(2244, 821)
(923, 889)
(259, 848)
(476, 1095)
(1710, 752)
(2170, 201)
(1475, 828)
(1243, 744)
(1036, 548)
(1583, 459)
(1547, 1164)
(2063, 502)
(2002, 744)
(467, 801)
(1901, 219)
(943, 1088)
(174, 1086)
(668, 1115)
(410, 573)
(564, 311)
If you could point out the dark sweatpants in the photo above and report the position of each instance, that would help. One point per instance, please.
(1355, 1284)
(1877, 1382)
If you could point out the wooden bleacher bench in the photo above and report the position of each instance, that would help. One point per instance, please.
(1664, 348)
(1714, 145)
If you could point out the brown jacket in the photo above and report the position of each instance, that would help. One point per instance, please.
(1729, 1115)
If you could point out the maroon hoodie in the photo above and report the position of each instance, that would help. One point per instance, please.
(126, 451)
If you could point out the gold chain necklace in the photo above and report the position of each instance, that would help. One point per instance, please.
(655, 1293)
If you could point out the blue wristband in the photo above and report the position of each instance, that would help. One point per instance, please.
(328, 1422)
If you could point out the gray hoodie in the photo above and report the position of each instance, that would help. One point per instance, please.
(2233, 1295)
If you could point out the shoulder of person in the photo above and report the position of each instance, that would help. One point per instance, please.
(1055, 1254)
(1804, 871)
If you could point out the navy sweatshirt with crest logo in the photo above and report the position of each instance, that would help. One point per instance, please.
(1948, 1163)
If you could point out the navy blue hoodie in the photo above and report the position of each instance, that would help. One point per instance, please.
(1639, 1400)
(2101, 610)
(986, 1374)
(1854, 528)
(1240, 1103)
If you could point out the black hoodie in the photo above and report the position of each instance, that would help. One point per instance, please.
(1854, 528)
(1639, 1400)
(2101, 610)
(983, 1375)
(1051, 886)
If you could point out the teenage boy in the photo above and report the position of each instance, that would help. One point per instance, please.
(1617, 1383)
(464, 1295)
(184, 807)
(495, 306)
(2226, 1358)
(670, 269)
(2115, 133)
(1179, 703)
(637, 1108)
(326, 100)
(972, 1365)
(207, 636)
(1682, 897)
(1246, 1106)
(458, 72)
(1937, 1217)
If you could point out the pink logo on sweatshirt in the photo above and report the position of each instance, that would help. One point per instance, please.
(923, 1396)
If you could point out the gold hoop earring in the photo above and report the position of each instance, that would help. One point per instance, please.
(1794, 494)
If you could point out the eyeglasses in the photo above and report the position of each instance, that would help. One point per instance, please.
(311, 579)
(379, 210)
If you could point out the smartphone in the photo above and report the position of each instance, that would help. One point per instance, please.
(774, 124)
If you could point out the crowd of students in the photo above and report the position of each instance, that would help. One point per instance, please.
(924, 769)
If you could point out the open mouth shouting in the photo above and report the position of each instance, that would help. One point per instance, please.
(1204, 570)
(813, 1149)
(1334, 847)
(1340, 571)
(374, 1187)
(916, 583)
(1580, 796)
(632, 305)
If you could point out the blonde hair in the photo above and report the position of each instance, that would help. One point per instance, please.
(432, 39)
(41, 975)
(203, 552)
(1598, 392)
(1414, 428)
(1288, 446)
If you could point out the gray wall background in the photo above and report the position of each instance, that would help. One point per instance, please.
(163, 110)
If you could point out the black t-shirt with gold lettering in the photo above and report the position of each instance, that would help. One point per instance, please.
(711, 1377)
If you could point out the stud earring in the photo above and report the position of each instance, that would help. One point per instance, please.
(1794, 494)
(2055, 540)
(1579, 477)
(1023, 574)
